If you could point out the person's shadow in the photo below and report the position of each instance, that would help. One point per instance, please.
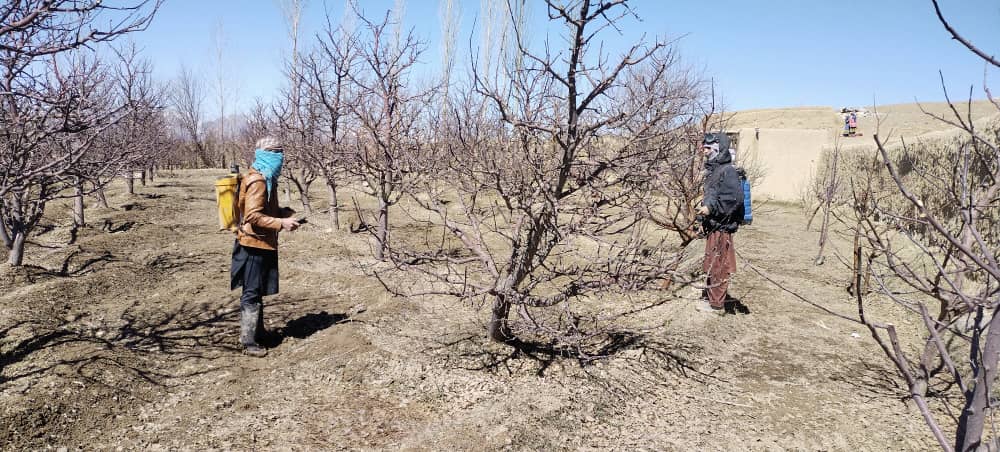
(732, 304)
(735, 306)
(302, 327)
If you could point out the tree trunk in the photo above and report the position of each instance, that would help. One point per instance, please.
(382, 233)
(152, 172)
(498, 330)
(303, 189)
(101, 199)
(827, 205)
(288, 192)
(334, 206)
(130, 182)
(823, 231)
(304, 199)
(813, 216)
(17, 250)
(78, 218)
(968, 436)
(142, 177)
(5, 235)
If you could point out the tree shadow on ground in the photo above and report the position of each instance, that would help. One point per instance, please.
(877, 380)
(640, 352)
(133, 358)
(124, 226)
(68, 269)
(132, 206)
(170, 263)
(174, 185)
(644, 351)
(151, 344)
(12, 352)
(871, 380)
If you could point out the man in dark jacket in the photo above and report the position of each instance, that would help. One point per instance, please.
(721, 215)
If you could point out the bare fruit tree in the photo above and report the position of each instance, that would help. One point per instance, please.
(187, 99)
(826, 190)
(260, 122)
(297, 120)
(56, 99)
(542, 172)
(929, 230)
(388, 111)
(134, 142)
(326, 78)
(678, 180)
(294, 114)
(226, 89)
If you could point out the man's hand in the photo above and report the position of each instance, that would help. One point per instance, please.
(703, 210)
(289, 224)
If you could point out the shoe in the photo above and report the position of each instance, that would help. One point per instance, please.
(254, 350)
(704, 306)
(735, 307)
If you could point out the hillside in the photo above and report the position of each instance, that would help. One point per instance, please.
(906, 120)
(787, 144)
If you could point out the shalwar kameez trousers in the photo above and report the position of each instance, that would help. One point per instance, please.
(720, 264)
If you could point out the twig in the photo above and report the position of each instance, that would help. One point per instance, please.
(724, 402)
(781, 286)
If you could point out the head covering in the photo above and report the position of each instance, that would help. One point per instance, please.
(719, 138)
(269, 143)
(268, 159)
(720, 151)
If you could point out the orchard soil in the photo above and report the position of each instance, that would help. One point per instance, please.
(123, 335)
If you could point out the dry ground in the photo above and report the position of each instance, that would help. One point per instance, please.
(126, 339)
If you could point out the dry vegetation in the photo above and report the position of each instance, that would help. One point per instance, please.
(546, 201)
(924, 215)
(128, 338)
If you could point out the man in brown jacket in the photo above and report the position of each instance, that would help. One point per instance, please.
(255, 253)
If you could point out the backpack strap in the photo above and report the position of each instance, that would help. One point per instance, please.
(239, 208)
(239, 185)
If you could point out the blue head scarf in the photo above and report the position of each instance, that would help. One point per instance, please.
(269, 164)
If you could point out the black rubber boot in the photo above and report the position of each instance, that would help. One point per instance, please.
(250, 318)
(261, 335)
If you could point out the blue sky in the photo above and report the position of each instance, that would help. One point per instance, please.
(760, 53)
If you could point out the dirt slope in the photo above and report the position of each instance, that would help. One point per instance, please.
(127, 339)
(896, 120)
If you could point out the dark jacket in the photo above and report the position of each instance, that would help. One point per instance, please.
(723, 194)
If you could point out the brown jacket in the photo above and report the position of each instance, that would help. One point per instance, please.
(261, 216)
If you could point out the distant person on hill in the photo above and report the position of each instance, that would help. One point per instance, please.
(255, 253)
(852, 122)
(721, 217)
(847, 124)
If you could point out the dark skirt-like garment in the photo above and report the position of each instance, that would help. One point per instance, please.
(254, 268)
